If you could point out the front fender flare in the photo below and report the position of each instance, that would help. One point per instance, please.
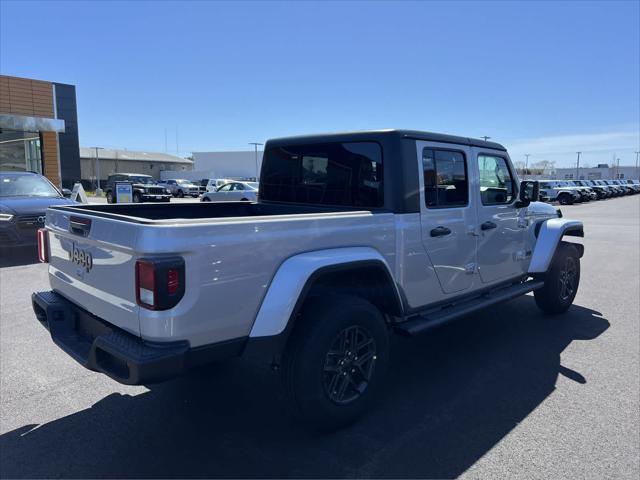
(549, 236)
(293, 276)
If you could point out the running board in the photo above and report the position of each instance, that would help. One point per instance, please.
(436, 318)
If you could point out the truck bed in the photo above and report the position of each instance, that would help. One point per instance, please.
(148, 213)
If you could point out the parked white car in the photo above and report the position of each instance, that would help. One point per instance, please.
(233, 191)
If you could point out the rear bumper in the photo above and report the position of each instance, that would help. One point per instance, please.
(126, 358)
(156, 198)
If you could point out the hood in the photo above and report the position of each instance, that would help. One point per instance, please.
(20, 205)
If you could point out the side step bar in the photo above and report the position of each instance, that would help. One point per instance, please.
(436, 318)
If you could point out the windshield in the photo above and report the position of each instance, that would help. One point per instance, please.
(183, 182)
(143, 180)
(21, 185)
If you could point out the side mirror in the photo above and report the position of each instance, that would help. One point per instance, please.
(529, 192)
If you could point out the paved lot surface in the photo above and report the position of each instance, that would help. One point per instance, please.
(508, 393)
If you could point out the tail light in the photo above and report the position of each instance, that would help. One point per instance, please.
(160, 282)
(43, 245)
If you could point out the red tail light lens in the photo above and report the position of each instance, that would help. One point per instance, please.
(43, 245)
(159, 282)
(173, 282)
(146, 284)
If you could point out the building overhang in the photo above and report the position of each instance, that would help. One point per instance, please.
(30, 124)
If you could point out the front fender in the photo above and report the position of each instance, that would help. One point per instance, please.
(549, 236)
(294, 274)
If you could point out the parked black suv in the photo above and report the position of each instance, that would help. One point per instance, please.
(145, 188)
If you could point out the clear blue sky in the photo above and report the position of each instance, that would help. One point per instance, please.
(545, 78)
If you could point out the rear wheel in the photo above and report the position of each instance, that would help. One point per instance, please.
(110, 198)
(335, 361)
(561, 282)
(205, 199)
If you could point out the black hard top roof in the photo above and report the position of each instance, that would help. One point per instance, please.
(377, 134)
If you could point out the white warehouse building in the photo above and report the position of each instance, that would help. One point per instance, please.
(239, 165)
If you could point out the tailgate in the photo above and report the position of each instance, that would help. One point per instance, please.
(92, 264)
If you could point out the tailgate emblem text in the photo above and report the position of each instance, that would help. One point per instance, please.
(81, 257)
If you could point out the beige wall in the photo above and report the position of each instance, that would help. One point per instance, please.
(33, 98)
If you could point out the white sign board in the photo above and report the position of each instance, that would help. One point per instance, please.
(78, 194)
(124, 192)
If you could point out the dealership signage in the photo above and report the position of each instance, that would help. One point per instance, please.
(124, 192)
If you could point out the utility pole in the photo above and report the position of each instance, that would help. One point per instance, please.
(98, 189)
(578, 166)
(255, 144)
(485, 138)
(526, 166)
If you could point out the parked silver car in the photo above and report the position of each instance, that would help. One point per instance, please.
(180, 187)
(233, 191)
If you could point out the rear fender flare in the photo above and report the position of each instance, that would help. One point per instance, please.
(296, 275)
(549, 236)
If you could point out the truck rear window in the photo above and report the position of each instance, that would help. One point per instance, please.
(341, 174)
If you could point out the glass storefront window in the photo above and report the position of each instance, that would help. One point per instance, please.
(20, 151)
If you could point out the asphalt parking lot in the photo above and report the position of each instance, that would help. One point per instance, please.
(506, 393)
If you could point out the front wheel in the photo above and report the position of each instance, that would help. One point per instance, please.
(180, 194)
(565, 199)
(136, 197)
(110, 197)
(335, 360)
(561, 281)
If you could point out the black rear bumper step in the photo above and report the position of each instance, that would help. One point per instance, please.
(431, 320)
(102, 347)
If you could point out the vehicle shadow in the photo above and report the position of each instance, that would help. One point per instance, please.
(16, 256)
(451, 396)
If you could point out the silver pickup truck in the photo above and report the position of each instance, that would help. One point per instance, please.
(355, 236)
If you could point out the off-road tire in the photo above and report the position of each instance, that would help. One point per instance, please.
(180, 194)
(110, 198)
(561, 281)
(311, 368)
(565, 199)
(136, 197)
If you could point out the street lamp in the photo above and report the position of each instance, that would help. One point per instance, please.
(637, 164)
(255, 144)
(98, 189)
(578, 166)
(485, 138)
(526, 166)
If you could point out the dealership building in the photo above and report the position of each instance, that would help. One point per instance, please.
(39, 129)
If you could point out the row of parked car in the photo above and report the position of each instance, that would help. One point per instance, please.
(146, 189)
(568, 192)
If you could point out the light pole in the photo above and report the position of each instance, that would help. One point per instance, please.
(255, 144)
(526, 166)
(485, 138)
(637, 165)
(578, 166)
(98, 189)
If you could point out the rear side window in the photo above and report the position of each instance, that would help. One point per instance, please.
(445, 178)
(341, 174)
(496, 183)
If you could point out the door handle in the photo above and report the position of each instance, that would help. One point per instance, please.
(440, 231)
(488, 226)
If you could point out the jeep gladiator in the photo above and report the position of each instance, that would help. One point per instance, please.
(354, 237)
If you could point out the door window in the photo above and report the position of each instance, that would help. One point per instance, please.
(445, 178)
(496, 182)
(225, 188)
